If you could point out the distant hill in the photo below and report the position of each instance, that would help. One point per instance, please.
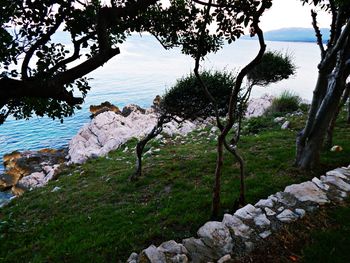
(295, 34)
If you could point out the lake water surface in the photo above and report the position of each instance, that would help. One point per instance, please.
(143, 70)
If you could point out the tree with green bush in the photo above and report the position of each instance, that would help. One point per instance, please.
(187, 101)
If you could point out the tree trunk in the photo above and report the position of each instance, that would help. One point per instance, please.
(330, 130)
(308, 154)
(241, 200)
(217, 184)
(141, 146)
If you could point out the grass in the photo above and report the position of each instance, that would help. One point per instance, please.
(99, 216)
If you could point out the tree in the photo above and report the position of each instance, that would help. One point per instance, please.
(333, 71)
(39, 76)
(197, 40)
(187, 101)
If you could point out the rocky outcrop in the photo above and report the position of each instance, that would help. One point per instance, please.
(30, 169)
(107, 131)
(103, 107)
(238, 234)
(257, 106)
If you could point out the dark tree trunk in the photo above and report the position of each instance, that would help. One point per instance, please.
(349, 111)
(217, 185)
(333, 72)
(157, 129)
(329, 139)
(309, 144)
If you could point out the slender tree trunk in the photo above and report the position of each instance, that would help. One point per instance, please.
(330, 130)
(235, 153)
(349, 111)
(157, 129)
(217, 185)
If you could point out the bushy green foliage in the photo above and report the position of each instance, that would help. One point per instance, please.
(188, 100)
(287, 102)
(273, 67)
(255, 125)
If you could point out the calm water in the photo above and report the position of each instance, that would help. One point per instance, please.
(143, 70)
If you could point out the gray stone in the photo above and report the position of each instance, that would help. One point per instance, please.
(300, 212)
(337, 182)
(285, 125)
(307, 191)
(261, 220)
(217, 236)
(198, 251)
(172, 247)
(269, 212)
(286, 199)
(279, 119)
(280, 209)
(153, 255)
(320, 184)
(339, 173)
(55, 189)
(179, 259)
(265, 234)
(264, 203)
(248, 212)
(133, 257)
(224, 259)
(287, 216)
(237, 226)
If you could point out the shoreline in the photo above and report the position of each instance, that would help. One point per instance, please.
(108, 129)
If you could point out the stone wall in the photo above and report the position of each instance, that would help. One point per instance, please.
(239, 233)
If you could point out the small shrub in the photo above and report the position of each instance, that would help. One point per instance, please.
(255, 125)
(188, 100)
(287, 102)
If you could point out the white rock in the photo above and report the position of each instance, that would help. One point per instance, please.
(133, 257)
(172, 247)
(265, 234)
(300, 212)
(307, 191)
(279, 119)
(224, 259)
(257, 106)
(336, 181)
(237, 226)
(337, 172)
(248, 212)
(285, 125)
(320, 184)
(287, 216)
(56, 189)
(264, 203)
(261, 220)
(280, 209)
(269, 212)
(107, 131)
(153, 254)
(216, 235)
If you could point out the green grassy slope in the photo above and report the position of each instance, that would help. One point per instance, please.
(99, 216)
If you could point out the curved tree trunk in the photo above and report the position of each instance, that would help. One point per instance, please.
(157, 129)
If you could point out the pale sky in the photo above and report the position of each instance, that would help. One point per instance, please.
(289, 13)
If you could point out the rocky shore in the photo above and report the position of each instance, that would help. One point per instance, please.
(109, 128)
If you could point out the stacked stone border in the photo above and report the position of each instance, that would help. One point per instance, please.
(239, 233)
